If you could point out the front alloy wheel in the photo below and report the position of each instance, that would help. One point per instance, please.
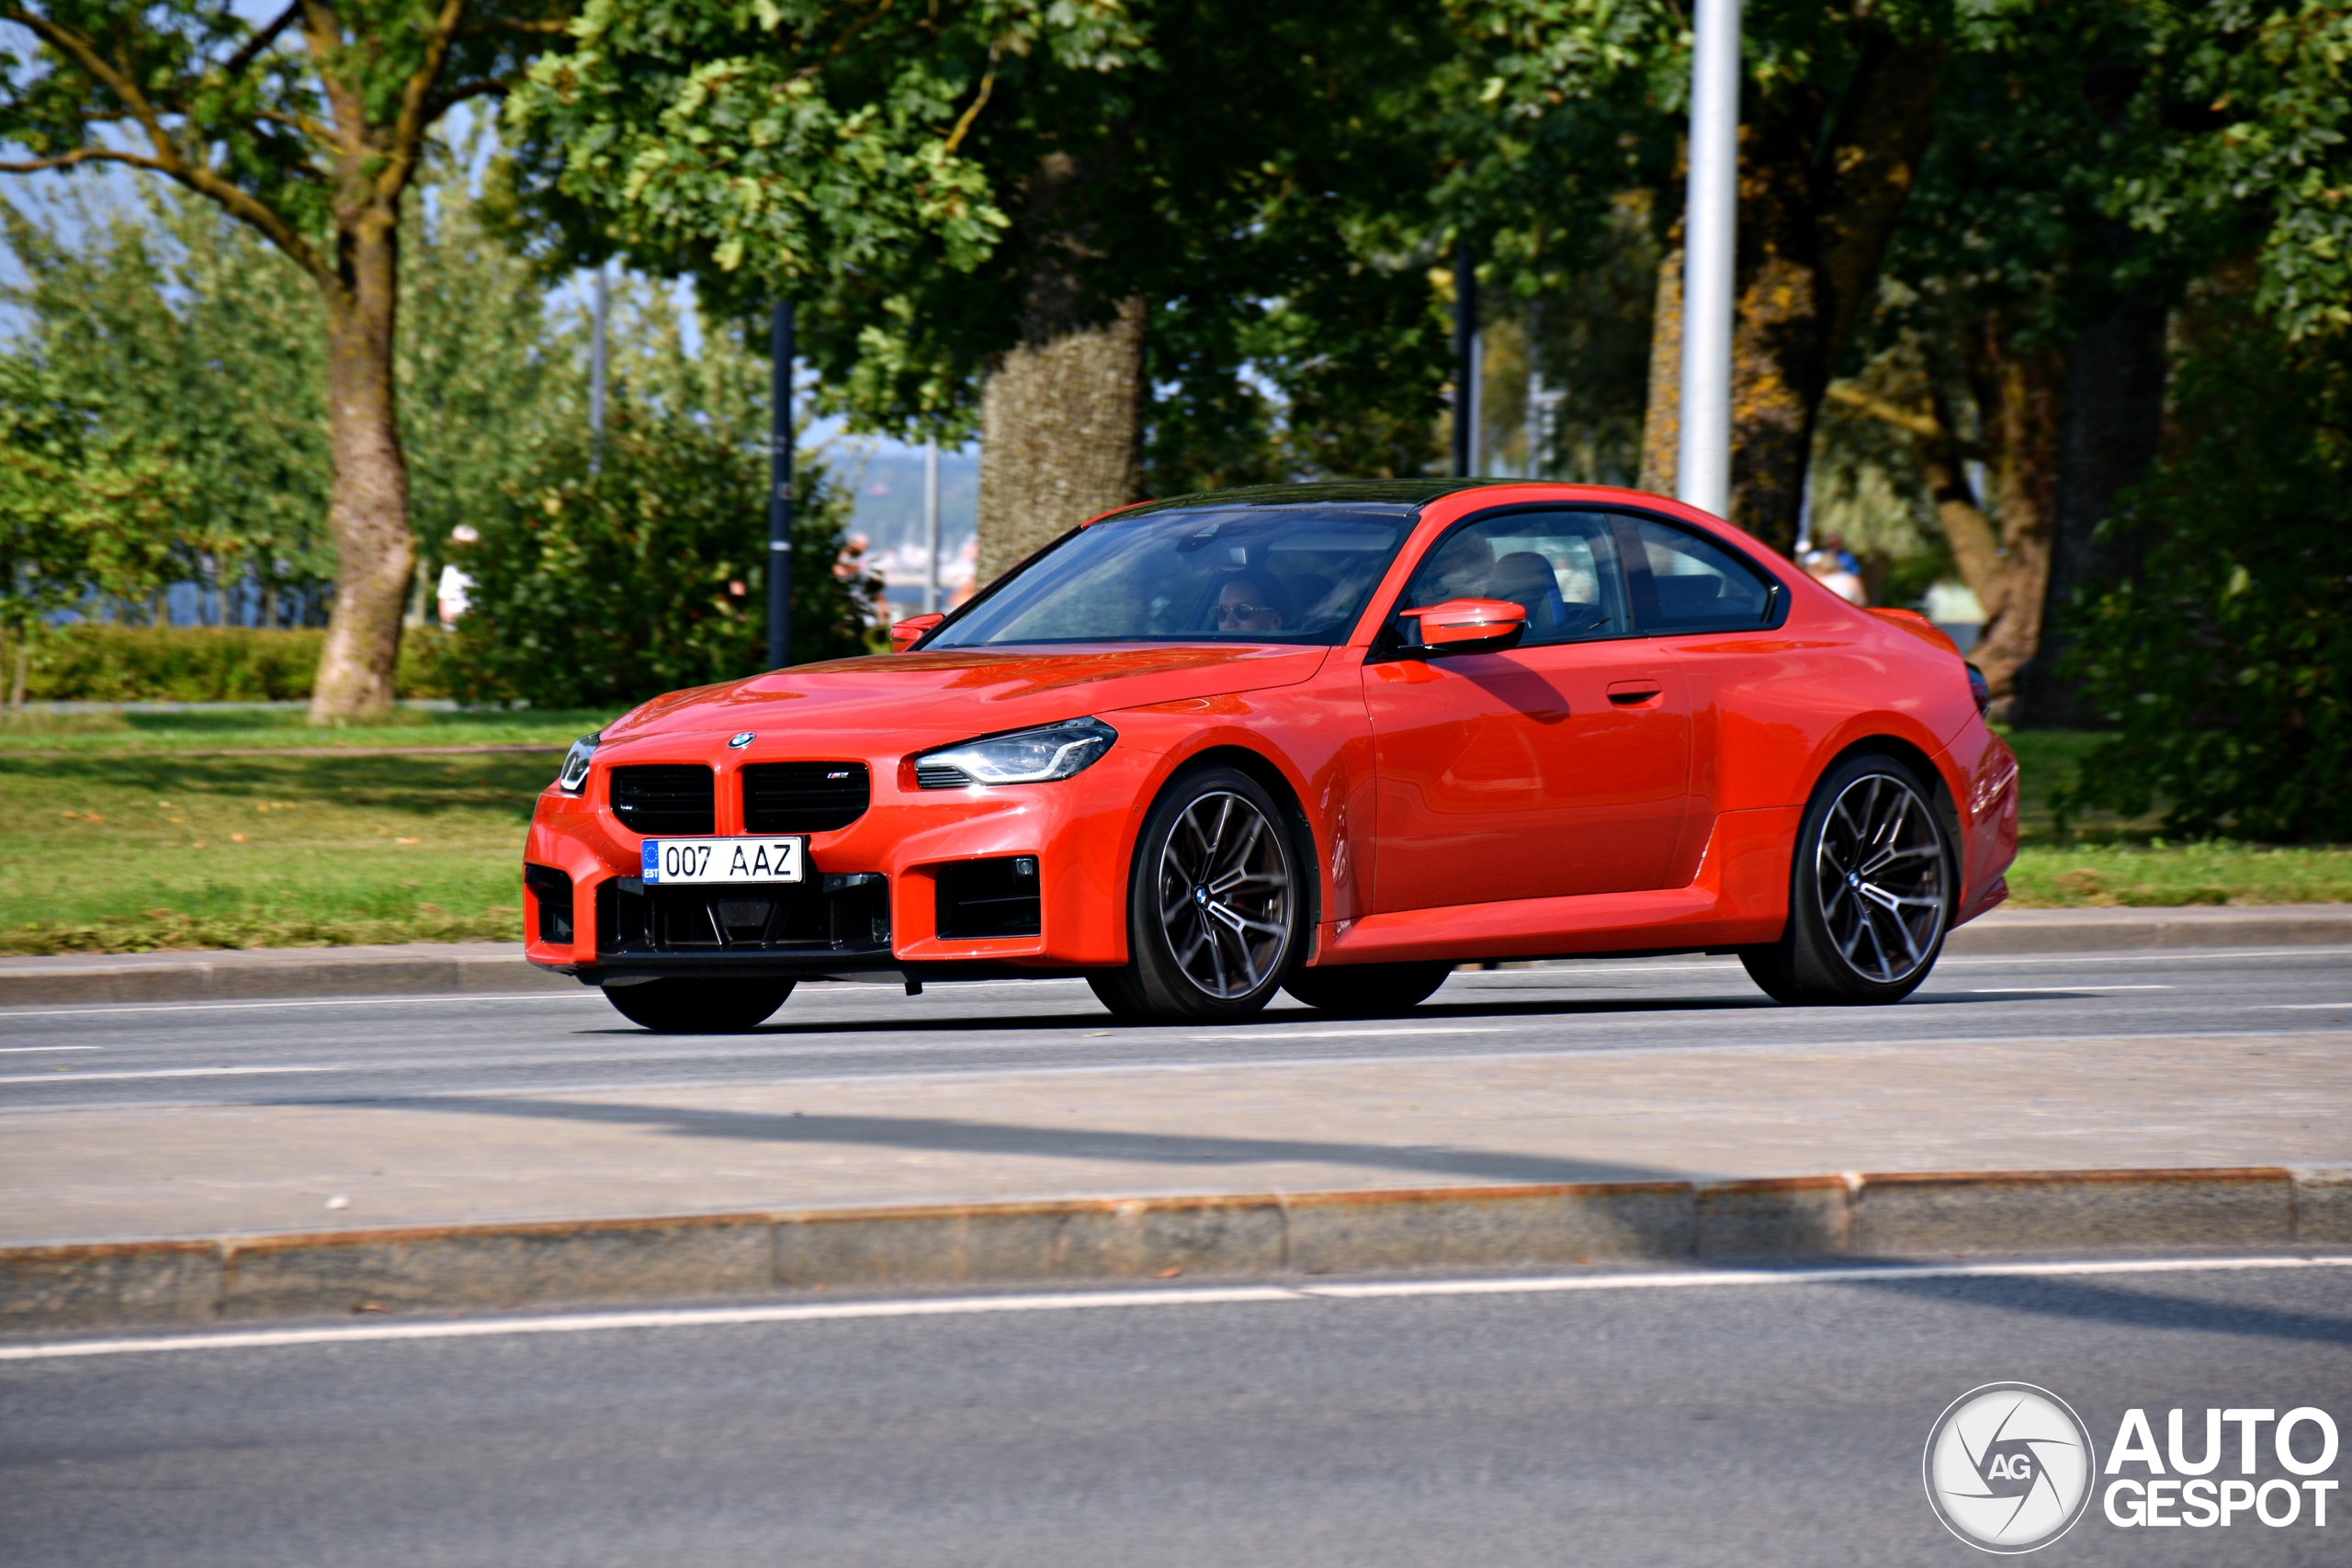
(1872, 891)
(1213, 907)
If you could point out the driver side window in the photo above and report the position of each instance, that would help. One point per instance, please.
(1561, 566)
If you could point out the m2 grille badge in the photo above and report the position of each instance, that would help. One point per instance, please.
(740, 741)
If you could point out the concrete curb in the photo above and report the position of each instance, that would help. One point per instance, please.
(430, 968)
(410, 969)
(2006, 931)
(620, 1261)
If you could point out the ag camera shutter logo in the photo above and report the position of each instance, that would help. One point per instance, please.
(2008, 1467)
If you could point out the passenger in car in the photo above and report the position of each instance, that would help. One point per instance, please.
(1525, 579)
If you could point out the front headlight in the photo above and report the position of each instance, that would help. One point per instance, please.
(575, 764)
(1026, 756)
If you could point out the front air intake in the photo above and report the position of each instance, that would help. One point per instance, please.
(995, 898)
(804, 797)
(666, 797)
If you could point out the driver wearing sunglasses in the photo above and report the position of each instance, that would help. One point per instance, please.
(1248, 602)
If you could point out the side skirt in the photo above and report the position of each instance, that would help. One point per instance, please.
(1740, 896)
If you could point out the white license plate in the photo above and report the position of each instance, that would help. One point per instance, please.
(724, 859)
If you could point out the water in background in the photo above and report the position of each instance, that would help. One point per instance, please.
(887, 480)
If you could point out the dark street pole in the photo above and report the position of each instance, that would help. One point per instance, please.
(1465, 359)
(780, 348)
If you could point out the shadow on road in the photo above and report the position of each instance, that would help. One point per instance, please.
(2083, 1301)
(945, 1135)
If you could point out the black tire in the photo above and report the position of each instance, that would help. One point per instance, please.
(1214, 905)
(699, 1007)
(1870, 893)
(1367, 990)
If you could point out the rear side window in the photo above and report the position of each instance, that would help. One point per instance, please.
(1692, 584)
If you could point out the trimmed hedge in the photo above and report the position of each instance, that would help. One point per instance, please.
(93, 663)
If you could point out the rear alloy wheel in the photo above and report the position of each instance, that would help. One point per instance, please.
(699, 1007)
(1367, 990)
(1871, 894)
(1212, 905)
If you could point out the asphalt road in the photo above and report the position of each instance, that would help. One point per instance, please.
(1733, 1423)
(60, 1057)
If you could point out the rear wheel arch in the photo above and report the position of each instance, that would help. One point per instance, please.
(1913, 760)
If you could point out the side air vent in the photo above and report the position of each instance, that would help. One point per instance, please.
(804, 797)
(666, 797)
(552, 891)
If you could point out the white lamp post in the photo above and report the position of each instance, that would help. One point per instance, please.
(1710, 233)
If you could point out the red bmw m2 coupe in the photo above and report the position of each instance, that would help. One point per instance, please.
(1332, 740)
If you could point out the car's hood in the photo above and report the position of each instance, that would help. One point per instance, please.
(917, 699)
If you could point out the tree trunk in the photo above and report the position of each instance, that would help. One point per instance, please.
(368, 512)
(1777, 349)
(1061, 426)
(1061, 412)
(2115, 404)
(1662, 419)
(1814, 223)
(2003, 555)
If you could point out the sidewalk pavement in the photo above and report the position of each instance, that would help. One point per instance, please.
(439, 968)
(1685, 1114)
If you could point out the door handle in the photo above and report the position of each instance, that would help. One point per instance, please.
(1635, 693)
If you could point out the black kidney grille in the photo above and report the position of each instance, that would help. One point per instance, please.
(804, 797)
(666, 797)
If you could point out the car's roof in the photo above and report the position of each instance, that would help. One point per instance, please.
(1394, 492)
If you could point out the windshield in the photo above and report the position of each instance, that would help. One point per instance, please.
(1206, 573)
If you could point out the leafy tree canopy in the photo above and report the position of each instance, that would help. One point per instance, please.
(289, 124)
(1239, 166)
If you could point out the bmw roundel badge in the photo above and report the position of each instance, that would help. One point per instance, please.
(739, 742)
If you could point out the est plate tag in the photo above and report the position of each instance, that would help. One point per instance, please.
(725, 860)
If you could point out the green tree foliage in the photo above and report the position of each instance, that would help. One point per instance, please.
(2244, 120)
(1254, 172)
(797, 148)
(602, 588)
(179, 329)
(308, 127)
(77, 511)
(2226, 666)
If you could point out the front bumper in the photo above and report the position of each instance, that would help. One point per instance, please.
(874, 898)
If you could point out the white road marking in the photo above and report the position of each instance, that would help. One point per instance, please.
(2302, 1007)
(1081, 1301)
(310, 1002)
(31, 1050)
(80, 1076)
(585, 994)
(1566, 966)
(1880, 1046)
(1247, 1032)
